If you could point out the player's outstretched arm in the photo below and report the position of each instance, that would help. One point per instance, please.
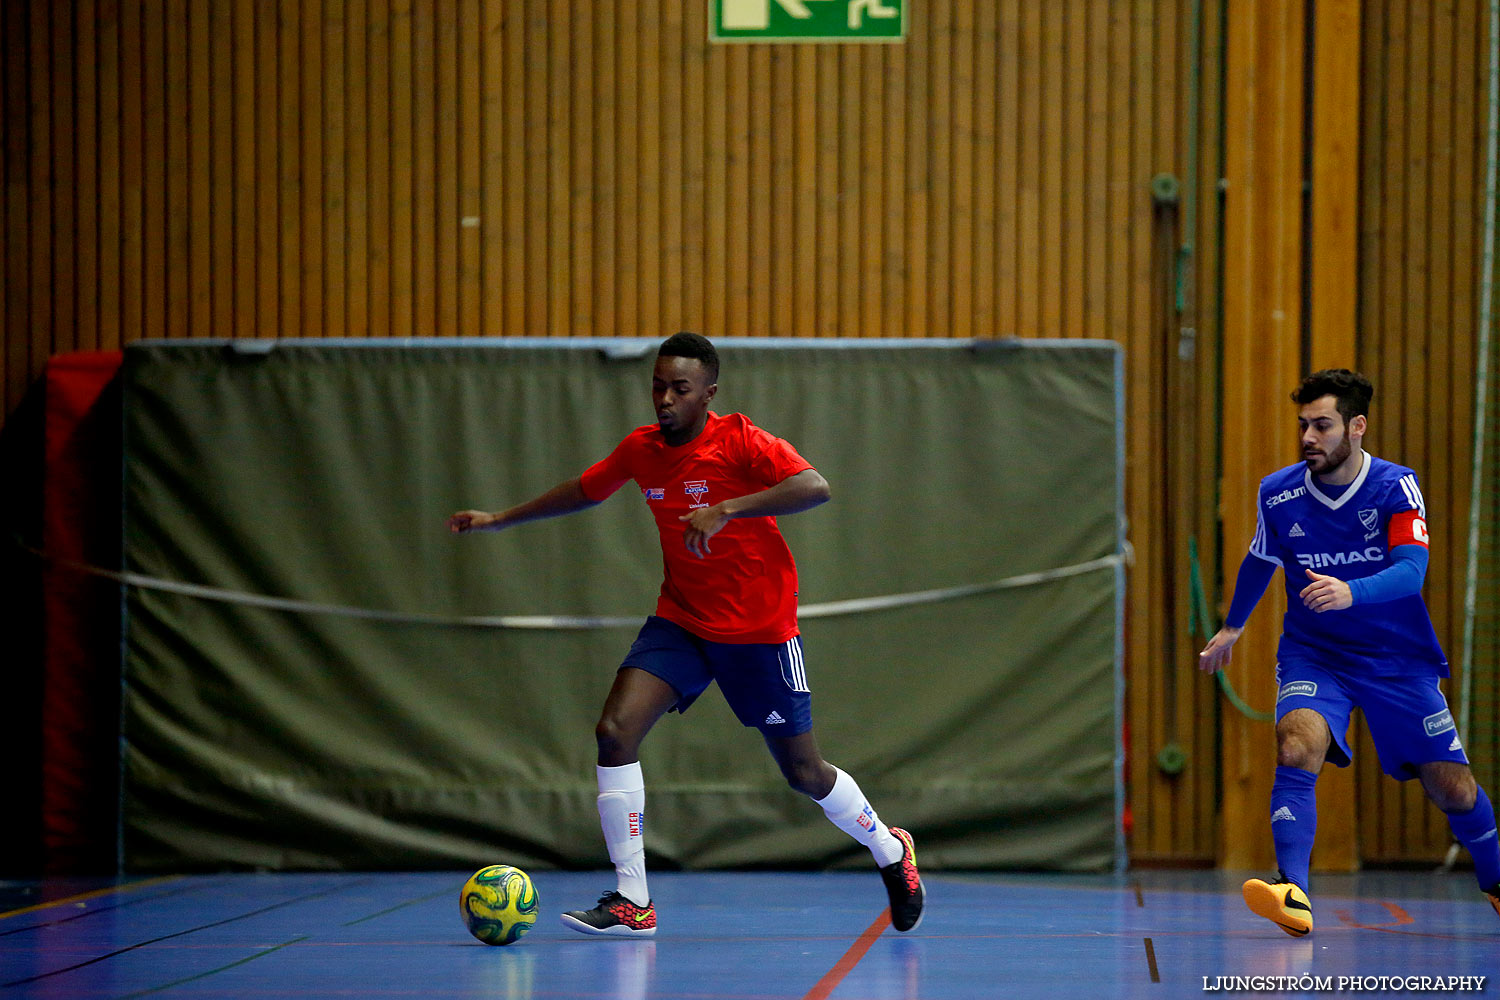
(564, 498)
(794, 494)
(1255, 574)
(1215, 655)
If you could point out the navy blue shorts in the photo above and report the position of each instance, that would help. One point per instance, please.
(1407, 715)
(764, 683)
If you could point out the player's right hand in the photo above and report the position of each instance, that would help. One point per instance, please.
(1215, 655)
(470, 520)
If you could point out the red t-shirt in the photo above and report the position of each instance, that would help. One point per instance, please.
(745, 590)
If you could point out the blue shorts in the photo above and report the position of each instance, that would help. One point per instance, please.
(764, 683)
(1407, 715)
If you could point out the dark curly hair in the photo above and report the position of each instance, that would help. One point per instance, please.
(692, 345)
(1351, 390)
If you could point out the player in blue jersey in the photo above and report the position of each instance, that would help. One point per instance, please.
(1349, 532)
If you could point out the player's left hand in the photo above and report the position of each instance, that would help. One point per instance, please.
(703, 524)
(1325, 593)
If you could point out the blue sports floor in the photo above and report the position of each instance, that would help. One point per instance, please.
(740, 936)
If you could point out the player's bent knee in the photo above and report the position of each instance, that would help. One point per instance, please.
(1449, 785)
(813, 778)
(615, 739)
(1453, 796)
(1295, 753)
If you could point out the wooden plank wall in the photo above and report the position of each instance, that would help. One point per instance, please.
(185, 168)
(312, 168)
(1413, 270)
(1262, 360)
(1422, 171)
(1414, 274)
(394, 167)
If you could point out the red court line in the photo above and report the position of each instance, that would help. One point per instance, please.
(835, 975)
(1402, 918)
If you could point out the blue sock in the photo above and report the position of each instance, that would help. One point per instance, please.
(1294, 820)
(1475, 829)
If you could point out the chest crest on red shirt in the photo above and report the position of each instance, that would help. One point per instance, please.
(697, 491)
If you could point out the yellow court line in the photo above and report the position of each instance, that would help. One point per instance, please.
(94, 894)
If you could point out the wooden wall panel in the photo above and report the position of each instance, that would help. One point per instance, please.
(1422, 173)
(1262, 303)
(351, 168)
(1332, 285)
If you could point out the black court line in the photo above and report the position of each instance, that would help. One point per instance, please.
(398, 906)
(1138, 900)
(167, 937)
(213, 972)
(1151, 961)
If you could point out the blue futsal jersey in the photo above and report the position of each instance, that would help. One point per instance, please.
(1348, 533)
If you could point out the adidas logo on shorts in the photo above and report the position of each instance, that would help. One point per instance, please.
(1455, 745)
(774, 719)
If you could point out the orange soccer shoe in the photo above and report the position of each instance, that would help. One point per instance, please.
(1282, 903)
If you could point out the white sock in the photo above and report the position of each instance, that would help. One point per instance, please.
(622, 816)
(848, 810)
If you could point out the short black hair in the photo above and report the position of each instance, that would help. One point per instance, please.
(692, 345)
(1351, 391)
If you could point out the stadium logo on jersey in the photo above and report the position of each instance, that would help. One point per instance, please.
(1439, 723)
(1307, 689)
(1286, 495)
(1322, 560)
(1296, 531)
(655, 492)
(698, 489)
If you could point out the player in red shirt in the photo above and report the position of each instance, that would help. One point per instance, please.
(727, 613)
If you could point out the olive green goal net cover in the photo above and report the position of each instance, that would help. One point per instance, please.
(317, 675)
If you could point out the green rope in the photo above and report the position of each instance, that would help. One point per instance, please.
(1200, 620)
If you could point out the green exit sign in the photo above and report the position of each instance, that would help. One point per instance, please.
(807, 20)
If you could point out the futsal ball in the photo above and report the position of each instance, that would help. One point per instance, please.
(499, 904)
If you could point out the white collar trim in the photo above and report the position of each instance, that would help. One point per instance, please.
(1331, 504)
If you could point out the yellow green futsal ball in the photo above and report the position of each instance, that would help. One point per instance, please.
(499, 904)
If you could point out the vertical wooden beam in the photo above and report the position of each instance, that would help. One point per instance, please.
(401, 131)
(1263, 103)
(581, 167)
(1334, 238)
(1333, 291)
(467, 218)
(873, 195)
(1203, 311)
